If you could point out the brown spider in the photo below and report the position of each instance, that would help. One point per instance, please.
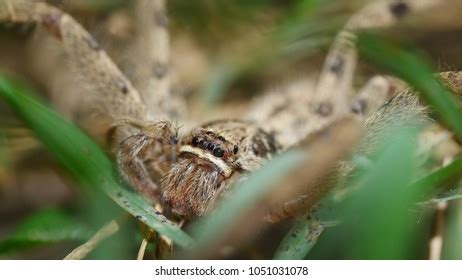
(190, 173)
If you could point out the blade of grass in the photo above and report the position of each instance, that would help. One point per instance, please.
(439, 176)
(299, 241)
(380, 209)
(84, 160)
(45, 227)
(376, 216)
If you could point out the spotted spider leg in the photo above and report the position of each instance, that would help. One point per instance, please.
(288, 119)
(142, 157)
(116, 99)
(120, 98)
(381, 89)
(151, 57)
(334, 88)
(153, 78)
(374, 94)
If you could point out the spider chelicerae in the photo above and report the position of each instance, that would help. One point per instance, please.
(189, 172)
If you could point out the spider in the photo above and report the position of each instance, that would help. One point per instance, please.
(189, 173)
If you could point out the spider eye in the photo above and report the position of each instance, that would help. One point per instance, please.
(221, 138)
(195, 141)
(236, 149)
(218, 152)
(210, 146)
(209, 132)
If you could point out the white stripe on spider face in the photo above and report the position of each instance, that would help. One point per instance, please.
(218, 162)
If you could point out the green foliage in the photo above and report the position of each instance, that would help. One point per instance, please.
(299, 241)
(85, 162)
(440, 176)
(380, 211)
(46, 226)
(377, 219)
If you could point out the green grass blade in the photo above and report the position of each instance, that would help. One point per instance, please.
(45, 227)
(84, 160)
(299, 241)
(440, 176)
(377, 218)
(384, 222)
(413, 69)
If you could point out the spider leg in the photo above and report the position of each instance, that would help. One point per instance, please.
(376, 92)
(144, 146)
(106, 84)
(453, 80)
(381, 89)
(334, 88)
(152, 60)
(130, 157)
(330, 100)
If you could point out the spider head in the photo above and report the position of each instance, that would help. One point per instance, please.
(206, 161)
(210, 159)
(212, 149)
